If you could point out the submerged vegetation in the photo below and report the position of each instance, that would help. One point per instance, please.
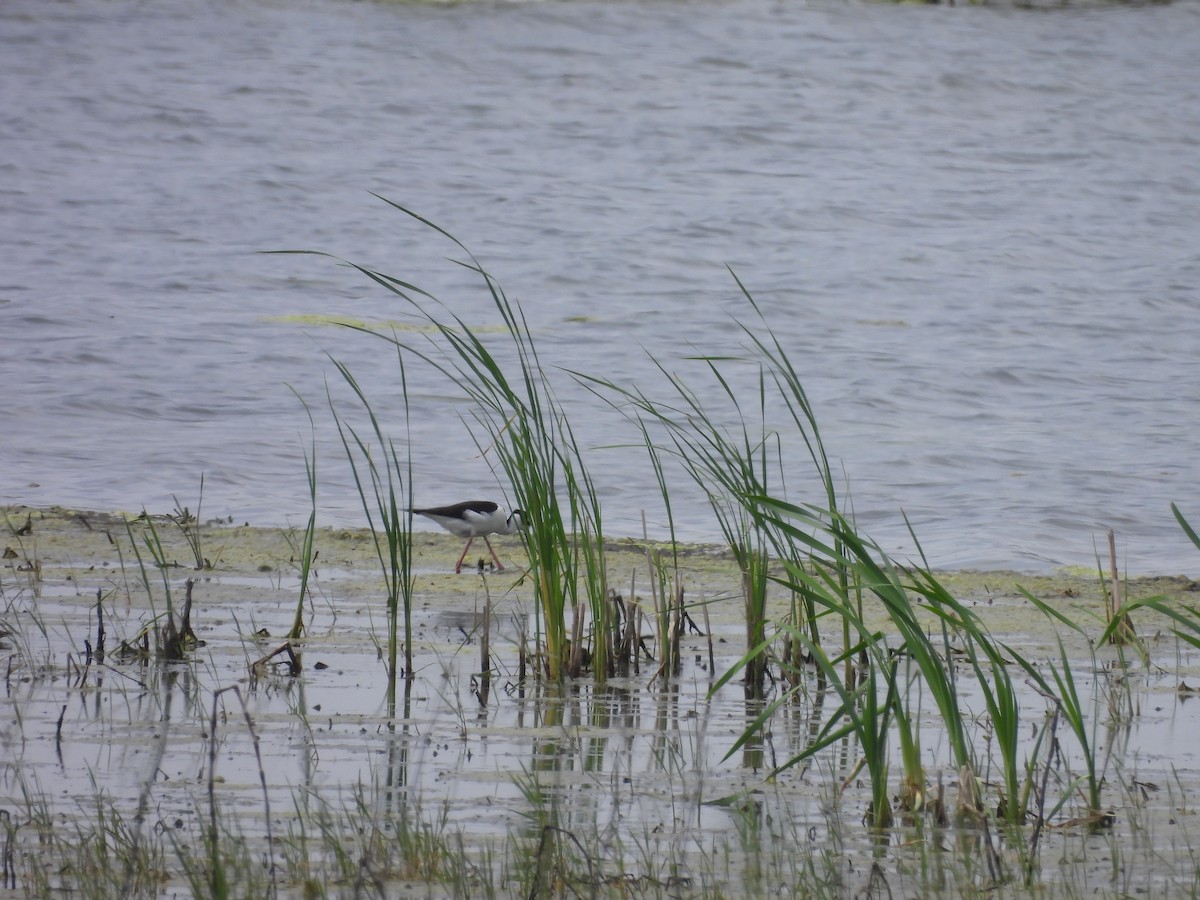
(794, 713)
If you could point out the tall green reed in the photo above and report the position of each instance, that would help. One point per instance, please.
(829, 568)
(523, 426)
(384, 488)
(874, 671)
(1062, 690)
(869, 704)
(726, 464)
(964, 636)
(750, 458)
(305, 550)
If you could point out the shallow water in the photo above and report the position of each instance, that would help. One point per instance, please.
(973, 229)
(639, 768)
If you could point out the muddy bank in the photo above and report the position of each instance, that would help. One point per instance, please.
(74, 545)
(641, 772)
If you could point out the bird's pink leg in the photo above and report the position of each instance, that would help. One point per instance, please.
(499, 565)
(458, 565)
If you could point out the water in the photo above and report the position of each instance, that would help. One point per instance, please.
(974, 230)
(646, 775)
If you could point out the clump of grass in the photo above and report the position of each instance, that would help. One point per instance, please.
(723, 465)
(523, 427)
(106, 855)
(172, 640)
(384, 489)
(304, 557)
(362, 848)
(666, 592)
(735, 465)
(829, 569)
(307, 556)
(191, 528)
(24, 561)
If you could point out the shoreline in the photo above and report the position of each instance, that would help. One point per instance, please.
(72, 539)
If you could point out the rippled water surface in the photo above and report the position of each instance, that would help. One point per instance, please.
(974, 230)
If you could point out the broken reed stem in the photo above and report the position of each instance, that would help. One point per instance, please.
(521, 656)
(99, 650)
(618, 654)
(712, 659)
(1040, 821)
(293, 661)
(576, 665)
(176, 641)
(633, 614)
(185, 620)
(485, 659)
(679, 621)
(671, 628)
(640, 646)
(629, 641)
(484, 641)
(1110, 597)
(172, 646)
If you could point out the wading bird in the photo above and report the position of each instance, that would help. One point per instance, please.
(472, 519)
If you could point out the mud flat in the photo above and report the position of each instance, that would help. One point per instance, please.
(124, 772)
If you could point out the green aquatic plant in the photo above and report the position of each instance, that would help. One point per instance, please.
(191, 528)
(1057, 681)
(869, 570)
(22, 560)
(384, 489)
(523, 427)
(869, 704)
(175, 637)
(666, 592)
(727, 465)
(305, 549)
(1062, 691)
(735, 464)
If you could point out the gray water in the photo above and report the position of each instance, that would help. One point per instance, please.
(975, 231)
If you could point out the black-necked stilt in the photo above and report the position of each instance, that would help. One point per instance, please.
(472, 519)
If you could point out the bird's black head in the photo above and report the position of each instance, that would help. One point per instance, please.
(516, 520)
